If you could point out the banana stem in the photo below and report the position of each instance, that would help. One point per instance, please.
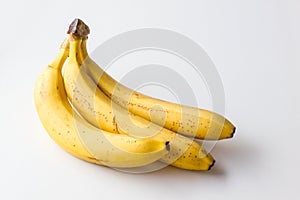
(74, 47)
(83, 48)
(77, 31)
(62, 56)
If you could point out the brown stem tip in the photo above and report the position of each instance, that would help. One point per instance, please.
(78, 28)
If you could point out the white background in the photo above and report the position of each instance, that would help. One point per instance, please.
(255, 46)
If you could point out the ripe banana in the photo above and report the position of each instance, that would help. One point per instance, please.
(187, 120)
(77, 136)
(100, 111)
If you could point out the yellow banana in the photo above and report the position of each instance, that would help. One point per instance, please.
(190, 121)
(80, 138)
(100, 111)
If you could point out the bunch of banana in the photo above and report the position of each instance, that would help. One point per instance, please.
(97, 119)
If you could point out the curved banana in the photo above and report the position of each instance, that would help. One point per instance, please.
(77, 136)
(100, 111)
(190, 121)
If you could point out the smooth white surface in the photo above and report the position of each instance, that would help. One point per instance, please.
(255, 46)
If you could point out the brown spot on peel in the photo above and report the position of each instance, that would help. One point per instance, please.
(116, 125)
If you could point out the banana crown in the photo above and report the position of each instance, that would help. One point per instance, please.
(99, 120)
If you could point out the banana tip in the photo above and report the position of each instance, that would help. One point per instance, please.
(212, 164)
(168, 146)
(233, 131)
